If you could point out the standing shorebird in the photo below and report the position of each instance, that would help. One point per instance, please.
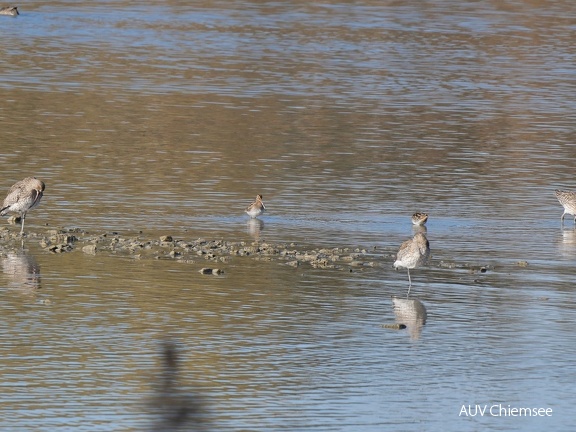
(256, 208)
(419, 218)
(23, 197)
(9, 10)
(568, 201)
(413, 253)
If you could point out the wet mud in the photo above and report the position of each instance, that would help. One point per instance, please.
(212, 255)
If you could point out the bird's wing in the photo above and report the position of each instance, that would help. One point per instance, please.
(403, 249)
(13, 195)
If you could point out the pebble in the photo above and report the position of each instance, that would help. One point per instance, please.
(394, 326)
(211, 271)
(89, 249)
(59, 248)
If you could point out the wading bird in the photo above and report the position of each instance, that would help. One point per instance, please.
(568, 201)
(9, 10)
(23, 197)
(256, 208)
(413, 253)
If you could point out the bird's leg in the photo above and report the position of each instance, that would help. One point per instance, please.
(23, 218)
(409, 283)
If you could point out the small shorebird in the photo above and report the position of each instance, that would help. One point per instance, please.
(568, 201)
(419, 218)
(23, 197)
(9, 10)
(256, 208)
(413, 253)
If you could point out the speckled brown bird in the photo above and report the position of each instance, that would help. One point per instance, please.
(413, 253)
(23, 197)
(9, 10)
(256, 208)
(568, 201)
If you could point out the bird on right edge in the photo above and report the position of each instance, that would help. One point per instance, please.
(9, 10)
(413, 253)
(568, 201)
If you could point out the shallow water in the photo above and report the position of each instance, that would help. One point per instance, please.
(169, 119)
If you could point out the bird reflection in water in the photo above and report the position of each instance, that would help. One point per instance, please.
(567, 243)
(22, 271)
(411, 313)
(175, 409)
(254, 228)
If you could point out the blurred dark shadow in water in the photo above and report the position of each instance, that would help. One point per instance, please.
(174, 406)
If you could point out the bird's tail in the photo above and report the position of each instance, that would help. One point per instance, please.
(4, 211)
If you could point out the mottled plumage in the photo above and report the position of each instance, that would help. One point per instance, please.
(413, 253)
(22, 197)
(419, 218)
(568, 201)
(256, 208)
(9, 10)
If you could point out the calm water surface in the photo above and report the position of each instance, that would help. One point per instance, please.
(348, 117)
